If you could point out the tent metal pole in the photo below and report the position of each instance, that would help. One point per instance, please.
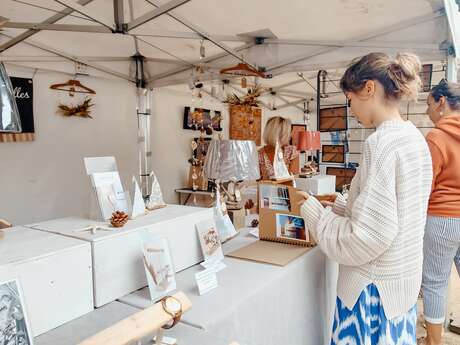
(75, 59)
(80, 9)
(160, 10)
(50, 20)
(368, 36)
(200, 31)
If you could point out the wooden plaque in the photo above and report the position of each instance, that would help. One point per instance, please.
(343, 176)
(333, 119)
(246, 123)
(333, 154)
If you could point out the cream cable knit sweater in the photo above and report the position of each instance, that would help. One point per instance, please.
(377, 236)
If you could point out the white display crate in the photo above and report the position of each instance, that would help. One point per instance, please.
(318, 184)
(54, 272)
(117, 258)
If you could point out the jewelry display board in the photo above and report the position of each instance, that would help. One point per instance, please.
(333, 119)
(246, 123)
(343, 176)
(333, 154)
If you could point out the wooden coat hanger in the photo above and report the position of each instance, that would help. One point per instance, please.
(242, 69)
(73, 86)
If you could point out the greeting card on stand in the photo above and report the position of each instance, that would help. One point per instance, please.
(109, 190)
(210, 244)
(158, 266)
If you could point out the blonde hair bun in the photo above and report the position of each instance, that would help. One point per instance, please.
(405, 73)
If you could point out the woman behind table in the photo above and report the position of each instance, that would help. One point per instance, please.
(442, 232)
(277, 129)
(377, 235)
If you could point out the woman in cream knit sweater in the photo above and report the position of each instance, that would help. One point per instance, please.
(377, 235)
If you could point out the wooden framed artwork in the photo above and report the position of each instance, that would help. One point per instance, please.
(333, 153)
(295, 130)
(343, 176)
(333, 119)
(202, 118)
(246, 123)
(426, 76)
(23, 91)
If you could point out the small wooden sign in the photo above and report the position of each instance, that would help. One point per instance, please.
(333, 154)
(333, 119)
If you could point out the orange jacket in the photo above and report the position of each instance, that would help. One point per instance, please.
(444, 143)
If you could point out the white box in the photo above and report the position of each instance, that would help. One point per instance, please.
(318, 184)
(117, 257)
(54, 272)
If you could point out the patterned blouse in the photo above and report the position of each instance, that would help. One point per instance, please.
(266, 165)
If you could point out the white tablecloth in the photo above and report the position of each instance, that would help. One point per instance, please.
(261, 304)
(79, 329)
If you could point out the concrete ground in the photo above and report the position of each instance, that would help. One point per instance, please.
(454, 311)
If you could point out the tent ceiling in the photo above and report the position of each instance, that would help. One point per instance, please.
(306, 35)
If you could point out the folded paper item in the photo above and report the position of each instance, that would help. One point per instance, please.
(274, 253)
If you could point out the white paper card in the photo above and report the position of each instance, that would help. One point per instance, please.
(100, 164)
(166, 340)
(206, 281)
(138, 201)
(158, 265)
(210, 241)
(109, 191)
(216, 266)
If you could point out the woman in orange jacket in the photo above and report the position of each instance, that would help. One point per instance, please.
(442, 232)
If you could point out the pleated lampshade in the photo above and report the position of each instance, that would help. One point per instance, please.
(309, 141)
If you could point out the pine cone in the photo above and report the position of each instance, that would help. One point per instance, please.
(118, 219)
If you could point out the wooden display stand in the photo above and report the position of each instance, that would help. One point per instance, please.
(138, 326)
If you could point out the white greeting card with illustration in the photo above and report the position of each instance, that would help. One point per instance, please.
(210, 244)
(158, 265)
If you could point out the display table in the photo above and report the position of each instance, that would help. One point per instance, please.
(117, 257)
(78, 330)
(54, 272)
(261, 304)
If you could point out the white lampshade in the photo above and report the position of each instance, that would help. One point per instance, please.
(9, 114)
(232, 160)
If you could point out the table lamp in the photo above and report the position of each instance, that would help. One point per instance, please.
(9, 114)
(309, 141)
(230, 162)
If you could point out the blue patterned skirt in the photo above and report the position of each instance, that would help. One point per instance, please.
(366, 323)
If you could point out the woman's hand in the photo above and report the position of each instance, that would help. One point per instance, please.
(303, 196)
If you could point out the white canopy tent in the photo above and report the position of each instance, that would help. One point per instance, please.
(282, 39)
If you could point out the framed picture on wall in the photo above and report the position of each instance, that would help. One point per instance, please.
(202, 118)
(333, 119)
(333, 153)
(295, 129)
(23, 90)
